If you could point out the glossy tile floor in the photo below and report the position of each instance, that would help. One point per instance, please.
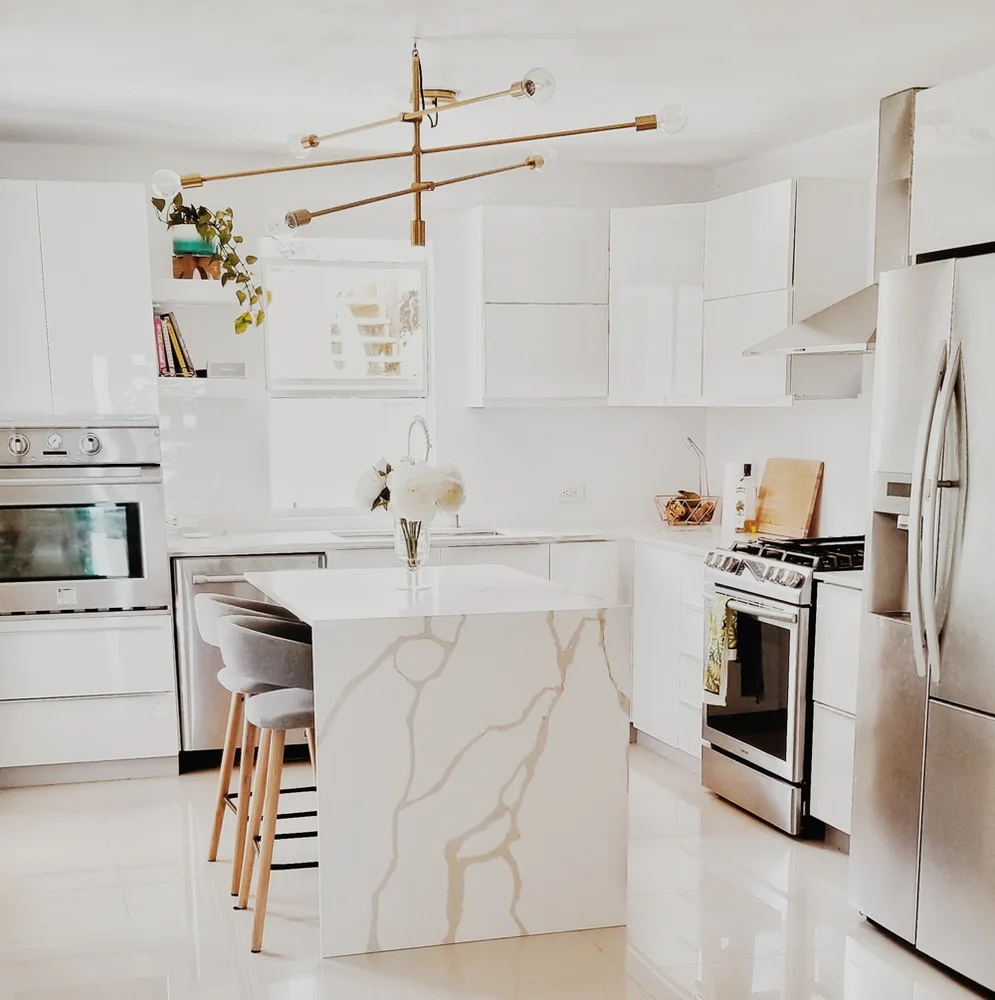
(105, 893)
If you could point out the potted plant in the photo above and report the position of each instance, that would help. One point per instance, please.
(215, 229)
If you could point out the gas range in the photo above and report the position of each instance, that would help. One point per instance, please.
(782, 569)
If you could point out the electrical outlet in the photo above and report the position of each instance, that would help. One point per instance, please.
(571, 494)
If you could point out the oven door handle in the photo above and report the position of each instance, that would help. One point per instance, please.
(762, 613)
(101, 481)
(199, 579)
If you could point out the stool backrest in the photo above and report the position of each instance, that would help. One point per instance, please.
(210, 607)
(267, 650)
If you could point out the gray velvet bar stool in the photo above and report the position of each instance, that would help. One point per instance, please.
(278, 653)
(210, 609)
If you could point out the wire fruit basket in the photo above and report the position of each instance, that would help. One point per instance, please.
(686, 507)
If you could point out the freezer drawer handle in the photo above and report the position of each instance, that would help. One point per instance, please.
(199, 579)
(762, 612)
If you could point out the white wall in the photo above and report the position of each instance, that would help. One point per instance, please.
(216, 452)
(836, 432)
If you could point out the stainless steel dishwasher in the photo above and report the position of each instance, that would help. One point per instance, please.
(203, 701)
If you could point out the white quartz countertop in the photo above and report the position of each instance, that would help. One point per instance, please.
(330, 595)
(852, 578)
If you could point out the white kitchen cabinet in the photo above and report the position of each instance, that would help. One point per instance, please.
(655, 303)
(530, 558)
(837, 647)
(730, 326)
(953, 176)
(832, 766)
(586, 567)
(85, 655)
(749, 241)
(25, 380)
(544, 255)
(98, 298)
(545, 352)
(77, 730)
(690, 730)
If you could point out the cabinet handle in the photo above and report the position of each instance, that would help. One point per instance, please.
(199, 579)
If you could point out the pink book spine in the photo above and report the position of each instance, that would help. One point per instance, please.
(160, 347)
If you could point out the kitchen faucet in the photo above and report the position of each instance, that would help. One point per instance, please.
(419, 421)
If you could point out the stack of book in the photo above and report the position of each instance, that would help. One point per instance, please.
(174, 358)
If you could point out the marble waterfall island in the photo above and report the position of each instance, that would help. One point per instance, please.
(471, 754)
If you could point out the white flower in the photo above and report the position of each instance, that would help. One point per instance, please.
(452, 492)
(414, 491)
(371, 484)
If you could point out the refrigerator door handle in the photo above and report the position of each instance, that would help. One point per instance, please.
(916, 613)
(931, 499)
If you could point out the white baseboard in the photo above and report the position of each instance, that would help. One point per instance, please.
(665, 750)
(98, 770)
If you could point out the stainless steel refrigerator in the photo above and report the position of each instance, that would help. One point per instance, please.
(922, 849)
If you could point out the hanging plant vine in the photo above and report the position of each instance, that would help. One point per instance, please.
(216, 227)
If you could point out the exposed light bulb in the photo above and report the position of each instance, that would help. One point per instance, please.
(277, 224)
(538, 85)
(299, 149)
(671, 119)
(544, 159)
(166, 184)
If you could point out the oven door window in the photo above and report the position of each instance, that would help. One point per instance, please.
(70, 542)
(756, 708)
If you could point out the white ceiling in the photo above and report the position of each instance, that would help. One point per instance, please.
(751, 74)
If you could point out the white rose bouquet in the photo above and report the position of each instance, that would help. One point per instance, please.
(414, 492)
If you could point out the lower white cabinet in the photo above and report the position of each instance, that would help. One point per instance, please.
(86, 688)
(586, 567)
(381, 558)
(76, 730)
(667, 646)
(832, 766)
(530, 558)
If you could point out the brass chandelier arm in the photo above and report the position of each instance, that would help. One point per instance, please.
(313, 140)
(514, 90)
(303, 216)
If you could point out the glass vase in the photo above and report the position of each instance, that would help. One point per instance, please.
(411, 542)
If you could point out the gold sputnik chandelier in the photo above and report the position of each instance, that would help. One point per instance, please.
(537, 86)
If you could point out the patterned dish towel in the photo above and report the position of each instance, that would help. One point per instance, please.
(721, 649)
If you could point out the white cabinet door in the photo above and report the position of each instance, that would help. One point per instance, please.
(953, 180)
(535, 352)
(586, 567)
(25, 381)
(84, 655)
(532, 558)
(832, 766)
(98, 296)
(545, 255)
(656, 624)
(690, 730)
(655, 297)
(837, 647)
(730, 326)
(748, 241)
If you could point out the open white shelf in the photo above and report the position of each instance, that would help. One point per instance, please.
(203, 388)
(193, 291)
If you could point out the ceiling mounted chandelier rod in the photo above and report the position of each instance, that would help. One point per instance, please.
(302, 216)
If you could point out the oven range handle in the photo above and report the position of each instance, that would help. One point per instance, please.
(199, 579)
(761, 612)
(82, 481)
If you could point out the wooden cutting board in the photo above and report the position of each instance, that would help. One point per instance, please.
(787, 497)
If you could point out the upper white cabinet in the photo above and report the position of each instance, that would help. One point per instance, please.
(546, 255)
(953, 175)
(748, 241)
(99, 313)
(538, 306)
(655, 304)
(25, 383)
(76, 308)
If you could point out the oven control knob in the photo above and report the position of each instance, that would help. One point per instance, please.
(54, 441)
(18, 445)
(89, 444)
(795, 579)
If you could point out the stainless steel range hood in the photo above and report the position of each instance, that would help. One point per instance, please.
(849, 326)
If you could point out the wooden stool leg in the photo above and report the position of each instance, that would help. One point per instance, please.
(269, 832)
(309, 733)
(227, 764)
(249, 732)
(255, 819)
